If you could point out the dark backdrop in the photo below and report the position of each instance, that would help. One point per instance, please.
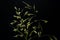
(47, 10)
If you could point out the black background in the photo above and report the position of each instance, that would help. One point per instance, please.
(48, 9)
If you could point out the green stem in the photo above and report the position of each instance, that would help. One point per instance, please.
(26, 36)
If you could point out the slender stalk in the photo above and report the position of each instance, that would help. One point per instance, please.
(26, 37)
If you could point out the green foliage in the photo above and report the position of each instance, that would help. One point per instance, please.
(25, 26)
